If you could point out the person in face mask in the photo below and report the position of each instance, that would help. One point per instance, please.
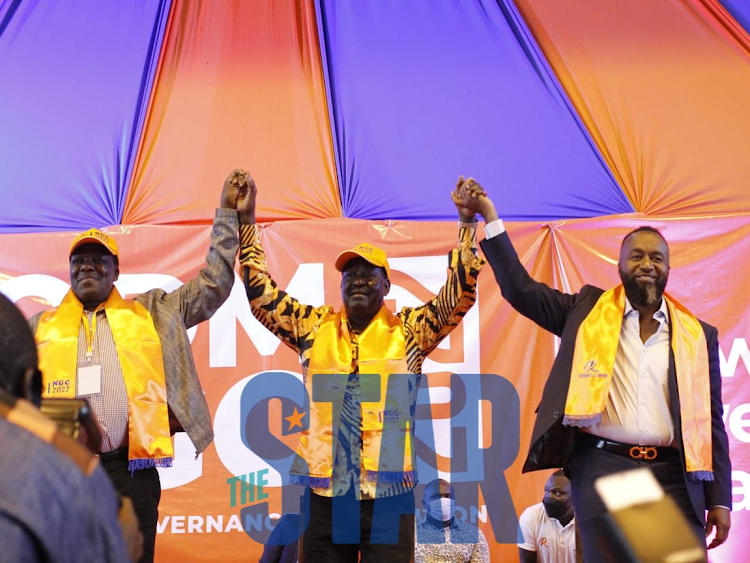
(443, 537)
(549, 527)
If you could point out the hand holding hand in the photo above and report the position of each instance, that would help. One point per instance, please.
(231, 189)
(239, 193)
(466, 211)
(471, 198)
(246, 201)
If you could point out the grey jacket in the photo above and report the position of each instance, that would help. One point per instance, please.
(177, 311)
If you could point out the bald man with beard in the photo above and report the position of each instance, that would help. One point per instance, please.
(636, 382)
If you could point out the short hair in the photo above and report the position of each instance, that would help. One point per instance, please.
(644, 229)
(17, 346)
(436, 483)
(560, 473)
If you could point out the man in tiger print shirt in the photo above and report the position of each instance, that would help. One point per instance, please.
(356, 456)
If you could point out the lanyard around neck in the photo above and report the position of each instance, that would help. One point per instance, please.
(90, 332)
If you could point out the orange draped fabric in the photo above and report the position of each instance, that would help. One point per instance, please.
(239, 84)
(662, 87)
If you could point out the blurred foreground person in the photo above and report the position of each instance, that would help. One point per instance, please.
(56, 503)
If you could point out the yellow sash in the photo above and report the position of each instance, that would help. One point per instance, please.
(382, 351)
(596, 345)
(139, 352)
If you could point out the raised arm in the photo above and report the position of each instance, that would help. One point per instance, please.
(433, 321)
(199, 298)
(545, 306)
(278, 311)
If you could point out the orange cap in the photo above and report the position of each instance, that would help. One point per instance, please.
(372, 254)
(96, 236)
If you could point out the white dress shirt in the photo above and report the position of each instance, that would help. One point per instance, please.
(637, 407)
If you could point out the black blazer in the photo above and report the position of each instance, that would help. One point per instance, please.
(562, 313)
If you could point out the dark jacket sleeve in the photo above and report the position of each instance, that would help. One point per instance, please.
(545, 306)
(719, 491)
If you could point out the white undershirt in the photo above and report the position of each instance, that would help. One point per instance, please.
(637, 407)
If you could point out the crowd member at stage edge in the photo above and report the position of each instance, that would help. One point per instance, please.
(646, 388)
(131, 359)
(443, 537)
(549, 527)
(56, 502)
(352, 352)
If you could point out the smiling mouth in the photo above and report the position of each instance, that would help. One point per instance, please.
(645, 279)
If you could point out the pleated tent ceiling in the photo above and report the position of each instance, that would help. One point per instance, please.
(582, 119)
(421, 93)
(239, 85)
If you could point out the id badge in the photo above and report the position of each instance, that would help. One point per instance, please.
(89, 380)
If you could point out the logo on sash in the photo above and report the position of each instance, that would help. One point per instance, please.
(389, 416)
(589, 370)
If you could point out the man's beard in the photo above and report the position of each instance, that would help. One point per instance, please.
(643, 295)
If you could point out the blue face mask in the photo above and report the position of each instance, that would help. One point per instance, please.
(442, 509)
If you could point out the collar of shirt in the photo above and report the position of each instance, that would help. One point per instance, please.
(661, 315)
(97, 311)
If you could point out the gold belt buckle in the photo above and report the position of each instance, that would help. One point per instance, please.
(643, 452)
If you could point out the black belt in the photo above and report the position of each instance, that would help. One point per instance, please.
(642, 453)
(121, 453)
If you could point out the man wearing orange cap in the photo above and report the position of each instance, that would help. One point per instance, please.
(131, 359)
(355, 356)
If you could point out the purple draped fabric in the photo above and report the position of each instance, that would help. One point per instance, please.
(76, 81)
(421, 92)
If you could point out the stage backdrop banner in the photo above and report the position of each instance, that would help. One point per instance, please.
(204, 506)
(238, 84)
